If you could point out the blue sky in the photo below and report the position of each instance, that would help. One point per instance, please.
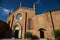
(41, 6)
(6, 6)
(10, 5)
(47, 5)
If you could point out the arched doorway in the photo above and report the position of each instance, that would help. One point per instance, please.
(41, 32)
(17, 31)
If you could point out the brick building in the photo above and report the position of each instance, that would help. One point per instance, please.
(42, 25)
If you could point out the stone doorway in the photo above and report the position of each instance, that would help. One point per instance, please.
(41, 32)
(16, 34)
(17, 31)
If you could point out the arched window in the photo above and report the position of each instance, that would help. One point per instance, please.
(29, 24)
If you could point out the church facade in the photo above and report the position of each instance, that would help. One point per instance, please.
(25, 20)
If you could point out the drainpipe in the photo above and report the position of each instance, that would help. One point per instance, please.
(52, 22)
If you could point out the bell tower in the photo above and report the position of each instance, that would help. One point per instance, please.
(34, 6)
(20, 3)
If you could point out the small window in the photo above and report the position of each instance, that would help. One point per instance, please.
(29, 24)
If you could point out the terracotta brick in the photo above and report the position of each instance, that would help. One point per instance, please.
(38, 21)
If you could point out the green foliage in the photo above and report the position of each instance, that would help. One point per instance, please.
(57, 34)
(28, 35)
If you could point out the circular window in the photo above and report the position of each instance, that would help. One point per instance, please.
(19, 16)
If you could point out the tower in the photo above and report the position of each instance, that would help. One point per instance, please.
(34, 6)
(20, 3)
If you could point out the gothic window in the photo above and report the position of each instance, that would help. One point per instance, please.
(29, 24)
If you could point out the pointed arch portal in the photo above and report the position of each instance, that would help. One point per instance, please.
(17, 31)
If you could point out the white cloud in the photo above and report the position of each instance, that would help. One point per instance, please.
(5, 11)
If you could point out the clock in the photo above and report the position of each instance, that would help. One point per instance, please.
(19, 16)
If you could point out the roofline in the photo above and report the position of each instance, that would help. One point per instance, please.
(22, 8)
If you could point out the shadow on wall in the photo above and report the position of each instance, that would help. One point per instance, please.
(34, 37)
